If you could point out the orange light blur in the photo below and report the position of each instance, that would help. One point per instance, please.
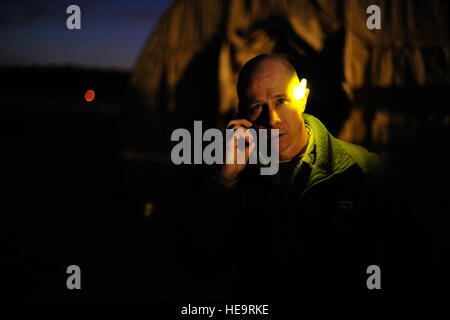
(89, 95)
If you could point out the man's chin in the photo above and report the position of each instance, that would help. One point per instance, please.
(282, 152)
(282, 143)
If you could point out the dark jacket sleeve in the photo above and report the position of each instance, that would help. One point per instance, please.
(411, 253)
(207, 234)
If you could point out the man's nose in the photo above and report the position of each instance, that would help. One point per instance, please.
(274, 119)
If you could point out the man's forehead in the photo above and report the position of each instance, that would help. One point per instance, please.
(268, 84)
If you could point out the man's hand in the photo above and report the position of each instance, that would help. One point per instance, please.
(232, 168)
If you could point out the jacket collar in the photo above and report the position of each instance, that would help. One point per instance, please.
(324, 155)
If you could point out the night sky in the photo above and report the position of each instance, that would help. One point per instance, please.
(113, 32)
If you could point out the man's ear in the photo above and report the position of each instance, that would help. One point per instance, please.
(304, 100)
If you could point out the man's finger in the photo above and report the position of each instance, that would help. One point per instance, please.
(247, 140)
(239, 133)
(249, 149)
(236, 127)
(239, 122)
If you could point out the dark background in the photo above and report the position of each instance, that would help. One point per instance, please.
(77, 176)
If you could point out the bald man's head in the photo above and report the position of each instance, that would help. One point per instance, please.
(265, 88)
(258, 64)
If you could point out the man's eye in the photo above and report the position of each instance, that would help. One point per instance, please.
(281, 101)
(256, 107)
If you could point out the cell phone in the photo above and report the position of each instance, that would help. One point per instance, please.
(261, 157)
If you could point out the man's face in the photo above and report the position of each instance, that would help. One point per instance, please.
(269, 103)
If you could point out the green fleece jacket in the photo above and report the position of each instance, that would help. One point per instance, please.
(310, 230)
(335, 156)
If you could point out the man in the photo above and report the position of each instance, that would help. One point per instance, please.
(314, 227)
(266, 101)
